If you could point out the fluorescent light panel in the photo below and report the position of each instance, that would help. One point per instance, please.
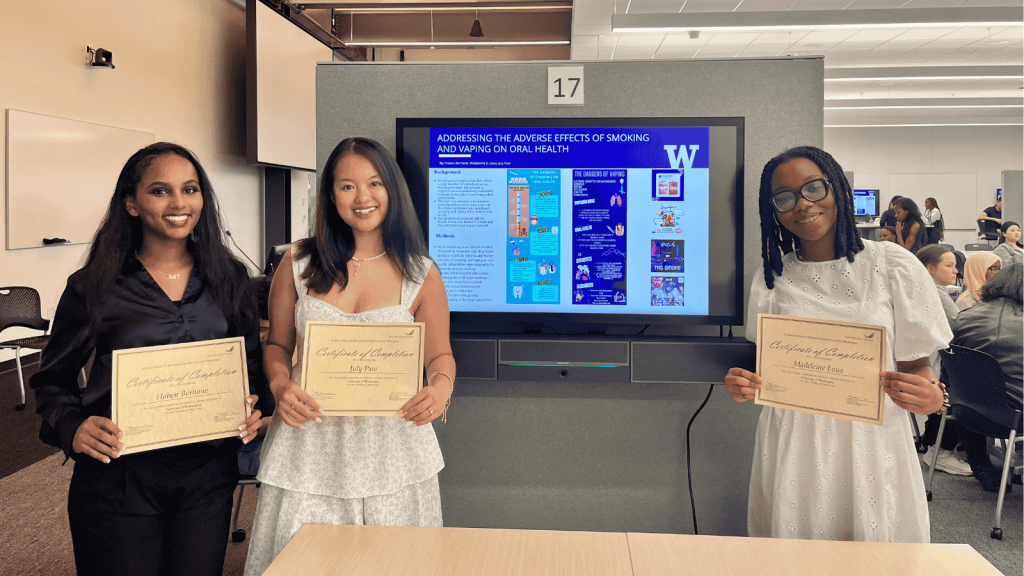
(922, 107)
(920, 125)
(876, 78)
(818, 19)
(519, 43)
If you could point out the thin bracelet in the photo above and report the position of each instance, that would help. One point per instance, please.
(444, 412)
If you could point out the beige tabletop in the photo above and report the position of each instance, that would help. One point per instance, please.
(377, 550)
(660, 554)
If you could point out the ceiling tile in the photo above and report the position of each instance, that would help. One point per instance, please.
(640, 39)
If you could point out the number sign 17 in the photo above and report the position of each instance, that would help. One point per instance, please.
(565, 86)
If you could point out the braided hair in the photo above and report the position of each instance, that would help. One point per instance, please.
(776, 240)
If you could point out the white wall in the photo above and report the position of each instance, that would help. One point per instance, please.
(892, 158)
(180, 74)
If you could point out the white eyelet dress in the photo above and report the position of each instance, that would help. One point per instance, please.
(348, 470)
(817, 477)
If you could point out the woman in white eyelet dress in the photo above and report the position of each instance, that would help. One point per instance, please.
(817, 477)
(317, 469)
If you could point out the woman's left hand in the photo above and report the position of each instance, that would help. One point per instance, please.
(911, 392)
(426, 406)
(248, 429)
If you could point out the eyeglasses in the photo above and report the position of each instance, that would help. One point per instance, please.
(813, 191)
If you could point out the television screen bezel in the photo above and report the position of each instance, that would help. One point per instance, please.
(420, 197)
(878, 200)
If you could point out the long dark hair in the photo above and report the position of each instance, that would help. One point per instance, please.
(776, 240)
(913, 215)
(1007, 283)
(120, 236)
(941, 222)
(333, 245)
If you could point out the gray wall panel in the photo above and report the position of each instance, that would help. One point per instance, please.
(602, 455)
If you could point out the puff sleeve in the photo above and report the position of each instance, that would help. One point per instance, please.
(920, 325)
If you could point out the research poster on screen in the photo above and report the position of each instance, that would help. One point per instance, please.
(571, 220)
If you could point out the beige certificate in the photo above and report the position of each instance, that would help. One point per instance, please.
(362, 368)
(180, 393)
(822, 367)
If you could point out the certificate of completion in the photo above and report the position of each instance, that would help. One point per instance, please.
(362, 368)
(822, 367)
(180, 393)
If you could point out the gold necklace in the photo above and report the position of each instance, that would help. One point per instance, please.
(169, 276)
(358, 261)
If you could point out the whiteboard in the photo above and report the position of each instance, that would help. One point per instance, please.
(955, 194)
(61, 175)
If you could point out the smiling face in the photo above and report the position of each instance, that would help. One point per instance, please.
(168, 199)
(359, 194)
(1012, 234)
(812, 222)
(944, 273)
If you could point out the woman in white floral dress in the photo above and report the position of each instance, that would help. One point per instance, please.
(367, 263)
(817, 477)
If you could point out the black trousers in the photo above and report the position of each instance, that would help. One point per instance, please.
(160, 513)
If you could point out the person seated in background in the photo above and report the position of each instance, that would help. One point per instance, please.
(910, 231)
(979, 268)
(249, 454)
(888, 217)
(934, 225)
(941, 265)
(1009, 249)
(996, 327)
(887, 234)
(993, 213)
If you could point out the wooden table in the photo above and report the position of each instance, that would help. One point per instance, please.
(382, 550)
(660, 554)
(379, 550)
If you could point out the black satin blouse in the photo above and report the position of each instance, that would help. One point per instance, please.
(136, 313)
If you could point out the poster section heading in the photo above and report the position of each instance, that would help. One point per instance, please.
(641, 147)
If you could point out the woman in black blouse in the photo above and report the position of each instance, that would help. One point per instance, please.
(157, 273)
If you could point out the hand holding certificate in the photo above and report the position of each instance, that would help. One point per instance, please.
(178, 394)
(362, 368)
(822, 367)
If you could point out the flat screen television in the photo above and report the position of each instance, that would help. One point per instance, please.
(865, 203)
(999, 194)
(583, 220)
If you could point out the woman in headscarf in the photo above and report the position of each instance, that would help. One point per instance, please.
(980, 267)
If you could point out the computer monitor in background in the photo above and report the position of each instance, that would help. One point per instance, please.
(999, 194)
(865, 203)
(274, 258)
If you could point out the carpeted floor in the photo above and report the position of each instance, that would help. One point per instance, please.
(21, 425)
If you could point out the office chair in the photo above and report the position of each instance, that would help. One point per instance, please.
(20, 306)
(987, 230)
(948, 247)
(977, 387)
(977, 247)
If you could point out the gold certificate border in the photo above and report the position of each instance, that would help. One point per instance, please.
(118, 355)
(879, 417)
(313, 324)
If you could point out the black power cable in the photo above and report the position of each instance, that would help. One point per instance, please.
(689, 476)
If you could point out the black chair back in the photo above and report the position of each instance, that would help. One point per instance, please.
(977, 383)
(21, 306)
